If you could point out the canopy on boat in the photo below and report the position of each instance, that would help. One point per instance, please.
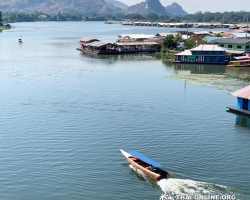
(144, 158)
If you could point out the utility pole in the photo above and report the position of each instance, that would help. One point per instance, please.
(247, 27)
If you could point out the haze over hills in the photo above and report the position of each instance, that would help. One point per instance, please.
(89, 7)
(176, 9)
(117, 4)
(52, 6)
(148, 6)
(154, 6)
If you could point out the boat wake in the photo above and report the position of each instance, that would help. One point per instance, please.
(191, 188)
(179, 188)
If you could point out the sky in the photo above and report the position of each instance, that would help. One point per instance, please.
(192, 6)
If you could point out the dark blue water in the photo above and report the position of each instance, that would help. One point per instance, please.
(65, 115)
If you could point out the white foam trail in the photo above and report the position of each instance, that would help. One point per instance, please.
(175, 187)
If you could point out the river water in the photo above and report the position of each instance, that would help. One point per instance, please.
(65, 115)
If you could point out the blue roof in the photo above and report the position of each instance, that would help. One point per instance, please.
(210, 38)
(144, 158)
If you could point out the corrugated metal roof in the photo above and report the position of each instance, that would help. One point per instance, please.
(241, 57)
(206, 47)
(135, 36)
(87, 39)
(210, 38)
(98, 44)
(240, 34)
(166, 34)
(243, 93)
(234, 52)
(201, 32)
(184, 53)
(135, 43)
(185, 37)
(231, 41)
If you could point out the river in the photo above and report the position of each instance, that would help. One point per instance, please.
(65, 115)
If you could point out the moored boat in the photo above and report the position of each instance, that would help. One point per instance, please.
(145, 164)
(240, 63)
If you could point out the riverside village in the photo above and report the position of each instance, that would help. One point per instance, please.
(124, 100)
(230, 46)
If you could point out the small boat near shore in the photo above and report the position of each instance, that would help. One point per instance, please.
(240, 63)
(145, 164)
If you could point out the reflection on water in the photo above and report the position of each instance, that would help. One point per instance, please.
(200, 69)
(216, 76)
(241, 73)
(242, 121)
(121, 57)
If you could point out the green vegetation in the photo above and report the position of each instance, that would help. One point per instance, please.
(2, 27)
(225, 81)
(170, 43)
(226, 17)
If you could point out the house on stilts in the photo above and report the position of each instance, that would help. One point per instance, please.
(243, 101)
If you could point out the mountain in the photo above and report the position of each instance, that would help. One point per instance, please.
(176, 9)
(52, 6)
(149, 6)
(117, 4)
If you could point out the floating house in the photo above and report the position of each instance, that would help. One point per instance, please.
(203, 54)
(233, 45)
(86, 40)
(136, 43)
(133, 37)
(243, 101)
(92, 45)
(137, 47)
(166, 34)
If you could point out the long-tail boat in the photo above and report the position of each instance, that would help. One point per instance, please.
(145, 164)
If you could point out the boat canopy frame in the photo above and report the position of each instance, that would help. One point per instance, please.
(144, 158)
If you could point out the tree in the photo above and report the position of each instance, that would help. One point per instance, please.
(189, 44)
(169, 42)
(218, 35)
(177, 38)
(152, 17)
(135, 16)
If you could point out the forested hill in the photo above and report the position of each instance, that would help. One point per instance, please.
(147, 7)
(176, 9)
(55, 6)
(117, 4)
